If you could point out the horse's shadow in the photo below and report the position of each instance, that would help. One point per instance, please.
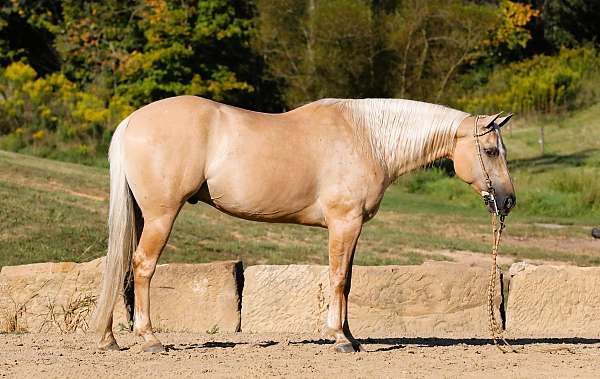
(215, 345)
(205, 345)
(399, 343)
(388, 344)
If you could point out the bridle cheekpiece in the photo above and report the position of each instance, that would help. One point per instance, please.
(488, 195)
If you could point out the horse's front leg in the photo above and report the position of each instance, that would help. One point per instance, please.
(153, 239)
(343, 235)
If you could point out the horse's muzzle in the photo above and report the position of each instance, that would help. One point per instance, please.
(499, 204)
(508, 204)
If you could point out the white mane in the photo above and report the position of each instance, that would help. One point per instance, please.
(403, 134)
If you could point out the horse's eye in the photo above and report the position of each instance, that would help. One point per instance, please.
(491, 151)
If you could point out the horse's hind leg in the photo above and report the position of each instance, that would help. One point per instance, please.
(107, 340)
(343, 236)
(153, 239)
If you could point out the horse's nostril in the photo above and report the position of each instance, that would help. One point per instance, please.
(509, 202)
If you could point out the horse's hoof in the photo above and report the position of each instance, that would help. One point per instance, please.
(153, 347)
(110, 346)
(348, 347)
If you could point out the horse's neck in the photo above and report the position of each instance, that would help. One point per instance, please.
(402, 134)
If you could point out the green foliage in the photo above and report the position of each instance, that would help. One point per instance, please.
(95, 39)
(571, 22)
(51, 114)
(148, 50)
(116, 56)
(355, 48)
(431, 41)
(570, 193)
(27, 32)
(318, 48)
(510, 37)
(71, 69)
(176, 38)
(435, 182)
(542, 83)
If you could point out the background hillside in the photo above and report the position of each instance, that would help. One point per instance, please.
(70, 70)
(56, 211)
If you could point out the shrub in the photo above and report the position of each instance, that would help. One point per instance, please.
(51, 113)
(542, 83)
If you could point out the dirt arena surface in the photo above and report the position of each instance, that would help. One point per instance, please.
(246, 355)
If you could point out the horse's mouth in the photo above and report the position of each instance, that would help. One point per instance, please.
(489, 204)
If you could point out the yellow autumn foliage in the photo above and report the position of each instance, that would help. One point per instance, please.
(52, 110)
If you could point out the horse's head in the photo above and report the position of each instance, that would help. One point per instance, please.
(479, 158)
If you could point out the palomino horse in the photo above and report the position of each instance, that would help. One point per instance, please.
(324, 164)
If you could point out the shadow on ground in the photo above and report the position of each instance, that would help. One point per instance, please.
(216, 344)
(391, 343)
(398, 343)
(547, 161)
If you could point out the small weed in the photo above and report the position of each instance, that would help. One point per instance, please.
(125, 328)
(213, 330)
(73, 316)
(12, 319)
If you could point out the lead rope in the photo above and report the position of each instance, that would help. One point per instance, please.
(489, 196)
(496, 331)
(495, 328)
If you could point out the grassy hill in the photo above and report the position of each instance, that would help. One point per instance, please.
(56, 211)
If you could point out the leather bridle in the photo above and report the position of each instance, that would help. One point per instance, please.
(489, 198)
(489, 195)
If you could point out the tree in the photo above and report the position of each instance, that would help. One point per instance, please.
(95, 39)
(571, 22)
(318, 48)
(27, 32)
(353, 48)
(431, 41)
(194, 47)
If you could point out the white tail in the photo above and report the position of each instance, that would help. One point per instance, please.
(122, 235)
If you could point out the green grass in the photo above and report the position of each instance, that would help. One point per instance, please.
(56, 211)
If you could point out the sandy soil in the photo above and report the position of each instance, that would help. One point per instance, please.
(246, 355)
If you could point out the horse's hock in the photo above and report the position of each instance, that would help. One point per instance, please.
(60, 297)
(434, 299)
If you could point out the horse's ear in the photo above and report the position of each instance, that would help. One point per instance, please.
(488, 121)
(501, 121)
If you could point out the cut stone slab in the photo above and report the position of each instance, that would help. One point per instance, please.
(196, 297)
(51, 297)
(436, 299)
(60, 297)
(554, 301)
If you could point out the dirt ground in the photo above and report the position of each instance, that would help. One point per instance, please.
(251, 355)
